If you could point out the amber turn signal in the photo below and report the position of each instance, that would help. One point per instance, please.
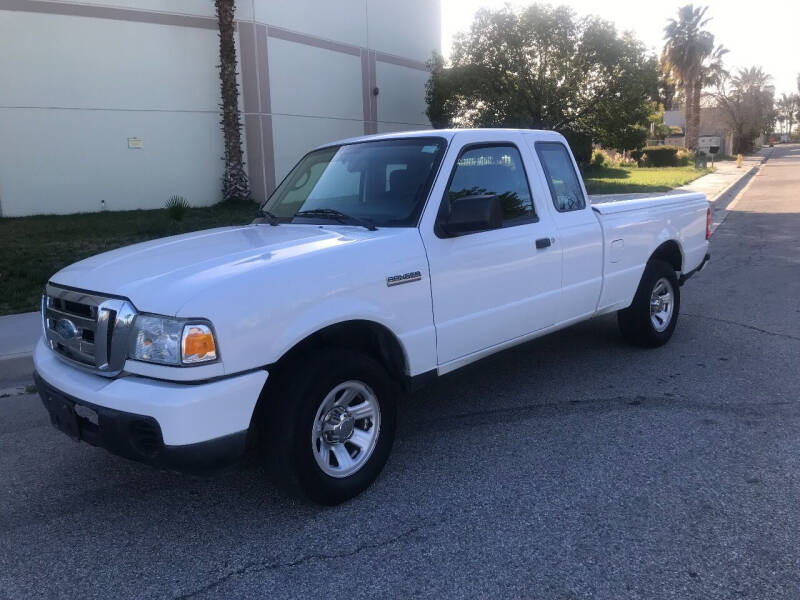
(198, 344)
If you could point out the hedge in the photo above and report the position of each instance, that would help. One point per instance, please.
(661, 156)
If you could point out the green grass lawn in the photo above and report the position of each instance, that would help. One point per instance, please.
(630, 180)
(33, 248)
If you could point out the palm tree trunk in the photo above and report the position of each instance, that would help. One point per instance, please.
(235, 185)
(688, 92)
(696, 93)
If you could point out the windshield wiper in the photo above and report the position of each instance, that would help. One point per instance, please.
(337, 215)
(268, 216)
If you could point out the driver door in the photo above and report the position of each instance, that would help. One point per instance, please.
(490, 287)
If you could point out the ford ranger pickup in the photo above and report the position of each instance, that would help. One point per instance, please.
(378, 263)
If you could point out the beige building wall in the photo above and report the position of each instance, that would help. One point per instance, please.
(117, 104)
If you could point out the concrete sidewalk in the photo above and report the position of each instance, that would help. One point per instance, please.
(18, 336)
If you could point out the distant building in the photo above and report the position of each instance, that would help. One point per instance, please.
(713, 129)
(115, 103)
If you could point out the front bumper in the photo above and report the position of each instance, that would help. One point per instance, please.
(188, 427)
(133, 436)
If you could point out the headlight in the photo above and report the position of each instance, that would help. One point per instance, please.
(171, 341)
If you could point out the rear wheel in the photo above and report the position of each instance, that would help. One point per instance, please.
(651, 318)
(336, 413)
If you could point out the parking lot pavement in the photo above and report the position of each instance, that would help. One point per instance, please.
(571, 467)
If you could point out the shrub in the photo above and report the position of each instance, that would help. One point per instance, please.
(637, 154)
(661, 156)
(599, 158)
(685, 157)
(176, 207)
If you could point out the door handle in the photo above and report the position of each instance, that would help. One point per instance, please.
(543, 243)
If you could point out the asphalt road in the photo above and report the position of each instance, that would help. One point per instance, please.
(571, 467)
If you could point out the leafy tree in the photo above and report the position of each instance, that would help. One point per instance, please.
(544, 67)
(235, 185)
(694, 62)
(657, 126)
(747, 100)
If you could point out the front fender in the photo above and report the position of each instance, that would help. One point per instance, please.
(331, 312)
(263, 313)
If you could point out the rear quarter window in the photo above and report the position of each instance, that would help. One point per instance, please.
(559, 171)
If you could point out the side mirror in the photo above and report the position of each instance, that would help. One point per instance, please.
(470, 214)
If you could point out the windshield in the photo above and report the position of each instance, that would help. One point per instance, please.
(384, 183)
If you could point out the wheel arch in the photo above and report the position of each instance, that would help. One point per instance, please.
(365, 335)
(670, 252)
(368, 336)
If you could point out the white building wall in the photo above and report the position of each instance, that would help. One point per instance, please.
(402, 95)
(407, 28)
(341, 20)
(80, 78)
(316, 97)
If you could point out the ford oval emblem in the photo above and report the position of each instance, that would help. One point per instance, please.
(66, 329)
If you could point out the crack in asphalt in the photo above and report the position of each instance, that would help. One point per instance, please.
(470, 419)
(745, 325)
(478, 418)
(262, 565)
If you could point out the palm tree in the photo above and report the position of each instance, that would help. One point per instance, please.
(747, 100)
(235, 185)
(690, 55)
(750, 80)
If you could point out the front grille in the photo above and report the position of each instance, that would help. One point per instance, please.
(86, 328)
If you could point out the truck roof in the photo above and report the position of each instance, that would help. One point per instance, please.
(444, 133)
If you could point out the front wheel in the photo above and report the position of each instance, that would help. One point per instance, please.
(337, 413)
(651, 318)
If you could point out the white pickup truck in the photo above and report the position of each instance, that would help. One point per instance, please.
(378, 263)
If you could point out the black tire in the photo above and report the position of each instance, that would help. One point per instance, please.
(290, 415)
(635, 323)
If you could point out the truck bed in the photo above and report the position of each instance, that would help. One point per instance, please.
(633, 228)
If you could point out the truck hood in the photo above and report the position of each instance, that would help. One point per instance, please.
(160, 276)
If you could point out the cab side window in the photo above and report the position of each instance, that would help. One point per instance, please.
(495, 169)
(565, 187)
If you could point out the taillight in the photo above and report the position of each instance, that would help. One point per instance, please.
(708, 224)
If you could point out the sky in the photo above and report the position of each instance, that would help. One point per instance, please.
(762, 33)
